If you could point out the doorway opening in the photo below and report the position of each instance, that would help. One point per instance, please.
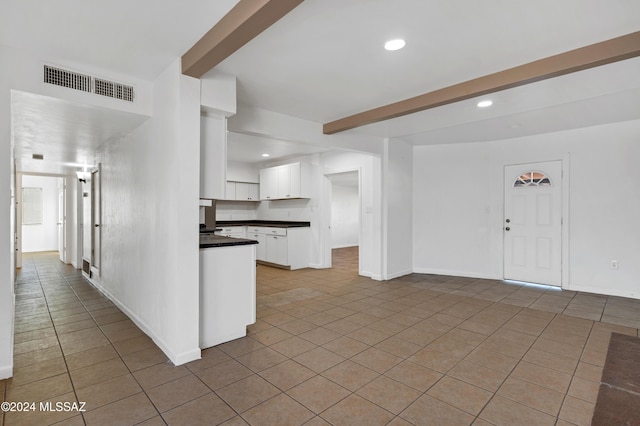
(344, 220)
(41, 216)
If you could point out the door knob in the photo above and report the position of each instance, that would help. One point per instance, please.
(507, 229)
(508, 220)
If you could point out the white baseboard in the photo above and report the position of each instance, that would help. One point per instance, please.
(602, 291)
(398, 274)
(455, 273)
(345, 246)
(6, 372)
(176, 359)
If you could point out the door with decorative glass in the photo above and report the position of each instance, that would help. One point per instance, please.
(532, 223)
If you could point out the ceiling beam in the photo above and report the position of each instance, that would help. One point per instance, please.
(594, 55)
(245, 21)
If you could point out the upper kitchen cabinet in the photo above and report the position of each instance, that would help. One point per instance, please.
(213, 156)
(242, 191)
(285, 182)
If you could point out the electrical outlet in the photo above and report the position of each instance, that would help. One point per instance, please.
(614, 264)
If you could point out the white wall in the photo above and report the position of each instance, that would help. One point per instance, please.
(458, 205)
(43, 236)
(150, 190)
(345, 216)
(7, 217)
(397, 169)
(243, 172)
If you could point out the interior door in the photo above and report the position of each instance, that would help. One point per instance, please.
(532, 226)
(95, 221)
(61, 224)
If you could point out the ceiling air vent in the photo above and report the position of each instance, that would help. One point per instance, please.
(64, 78)
(87, 83)
(113, 90)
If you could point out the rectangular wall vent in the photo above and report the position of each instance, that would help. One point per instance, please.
(113, 89)
(87, 83)
(64, 78)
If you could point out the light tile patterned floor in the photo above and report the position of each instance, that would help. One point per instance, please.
(329, 347)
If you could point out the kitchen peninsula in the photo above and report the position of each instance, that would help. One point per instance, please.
(227, 288)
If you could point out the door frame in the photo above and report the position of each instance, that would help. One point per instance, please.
(565, 199)
(326, 215)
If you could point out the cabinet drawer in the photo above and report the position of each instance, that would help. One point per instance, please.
(267, 230)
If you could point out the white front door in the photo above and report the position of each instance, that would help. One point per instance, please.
(532, 225)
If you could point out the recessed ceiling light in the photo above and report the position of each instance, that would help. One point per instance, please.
(484, 104)
(265, 155)
(394, 44)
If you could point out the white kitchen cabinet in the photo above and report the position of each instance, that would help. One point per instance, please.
(288, 247)
(261, 249)
(246, 191)
(269, 184)
(213, 157)
(284, 182)
(227, 293)
(242, 191)
(233, 231)
(277, 249)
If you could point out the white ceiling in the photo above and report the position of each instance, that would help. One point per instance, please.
(324, 60)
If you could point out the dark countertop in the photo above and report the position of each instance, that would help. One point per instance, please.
(211, 240)
(271, 223)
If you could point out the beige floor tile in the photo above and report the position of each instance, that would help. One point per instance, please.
(398, 347)
(209, 358)
(434, 360)
(159, 374)
(177, 392)
(41, 390)
(376, 360)
(504, 412)
(108, 391)
(318, 359)
(238, 347)
(414, 375)
(90, 357)
(280, 410)
(261, 359)
(552, 379)
(589, 372)
(37, 371)
(355, 410)
(223, 374)
(318, 393)
(493, 360)
(583, 389)
(131, 410)
(287, 374)
(532, 395)
(99, 372)
(247, 393)
(350, 375)
(464, 396)
(551, 360)
(206, 410)
(478, 375)
(576, 411)
(45, 416)
(145, 358)
(389, 394)
(293, 346)
(429, 411)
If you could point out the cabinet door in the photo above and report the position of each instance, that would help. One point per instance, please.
(231, 191)
(261, 250)
(254, 190)
(289, 181)
(269, 183)
(242, 191)
(276, 249)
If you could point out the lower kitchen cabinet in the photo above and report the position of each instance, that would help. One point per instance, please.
(288, 247)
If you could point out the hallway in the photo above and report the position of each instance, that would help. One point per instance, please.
(329, 347)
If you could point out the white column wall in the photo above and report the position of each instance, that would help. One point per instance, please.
(458, 205)
(397, 231)
(150, 190)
